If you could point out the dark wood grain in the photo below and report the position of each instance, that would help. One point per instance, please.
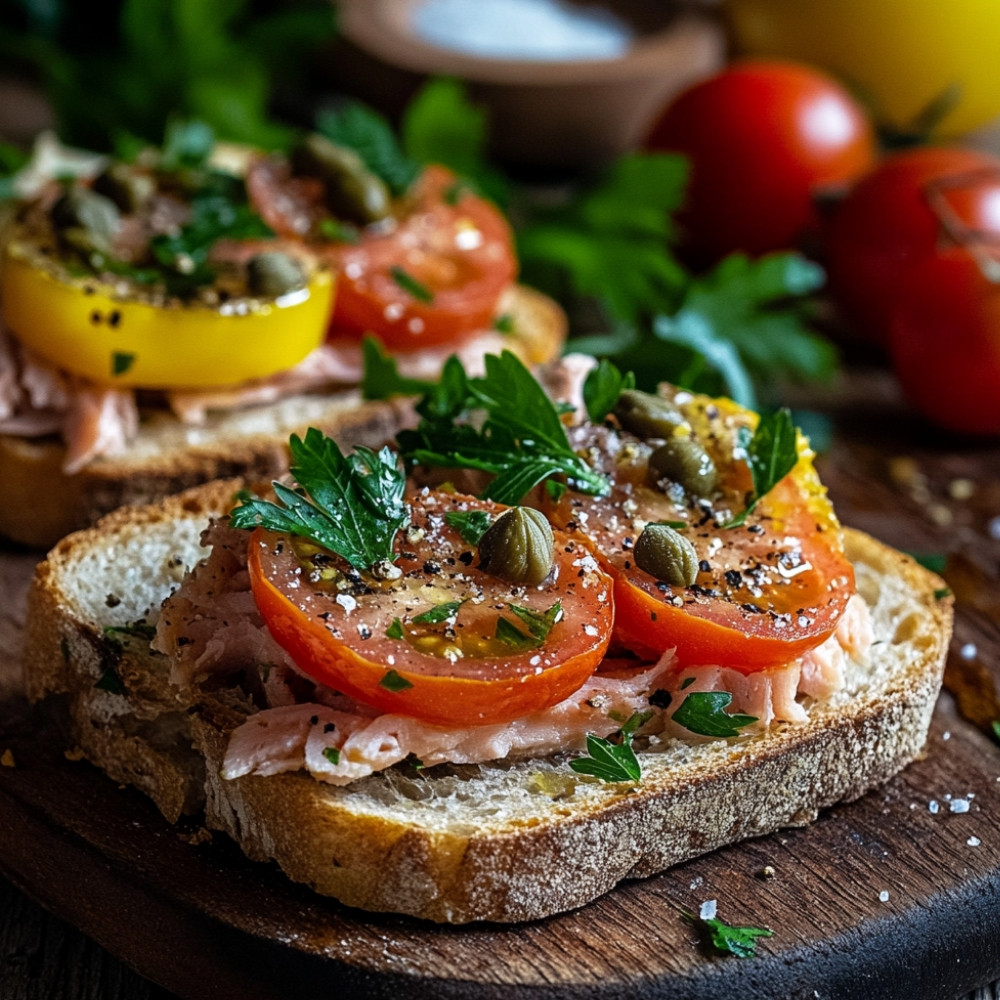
(203, 922)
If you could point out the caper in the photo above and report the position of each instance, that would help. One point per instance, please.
(647, 415)
(80, 208)
(353, 192)
(272, 274)
(518, 546)
(128, 188)
(666, 554)
(681, 459)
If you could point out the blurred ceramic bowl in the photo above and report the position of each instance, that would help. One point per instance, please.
(557, 92)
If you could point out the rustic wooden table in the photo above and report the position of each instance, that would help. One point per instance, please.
(938, 937)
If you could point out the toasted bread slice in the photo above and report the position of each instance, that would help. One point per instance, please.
(504, 841)
(39, 503)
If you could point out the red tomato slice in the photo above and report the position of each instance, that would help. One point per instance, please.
(367, 641)
(766, 592)
(434, 279)
(431, 276)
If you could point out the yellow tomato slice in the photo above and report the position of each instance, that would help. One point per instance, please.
(90, 328)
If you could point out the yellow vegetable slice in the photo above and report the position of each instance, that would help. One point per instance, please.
(101, 331)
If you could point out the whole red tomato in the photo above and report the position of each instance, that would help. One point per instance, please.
(944, 338)
(906, 208)
(763, 138)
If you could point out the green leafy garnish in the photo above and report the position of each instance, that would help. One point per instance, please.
(370, 135)
(186, 144)
(351, 505)
(771, 451)
(121, 362)
(521, 442)
(441, 125)
(602, 387)
(504, 323)
(738, 941)
(409, 284)
(439, 613)
(395, 630)
(941, 593)
(611, 241)
(612, 761)
(381, 378)
(124, 68)
(936, 562)
(539, 626)
(470, 524)
(704, 713)
(995, 725)
(338, 232)
(394, 682)
(137, 630)
(332, 754)
(109, 681)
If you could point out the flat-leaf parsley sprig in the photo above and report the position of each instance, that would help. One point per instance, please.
(521, 440)
(729, 939)
(350, 504)
(613, 761)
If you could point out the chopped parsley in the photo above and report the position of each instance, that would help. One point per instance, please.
(121, 362)
(738, 941)
(704, 713)
(332, 754)
(470, 524)
(439, 613)
(394, 682)
(409, 284)
(352, 505)
(539, 626)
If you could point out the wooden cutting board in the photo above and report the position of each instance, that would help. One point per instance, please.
(896, 895)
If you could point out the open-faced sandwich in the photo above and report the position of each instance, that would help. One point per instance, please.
(645, 637)
(173, 317)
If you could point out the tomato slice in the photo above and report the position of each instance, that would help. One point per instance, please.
(436, 278)
(765, 593)
(367, 639)
(432, 275)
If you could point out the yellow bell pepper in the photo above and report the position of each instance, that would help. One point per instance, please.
(91, 328)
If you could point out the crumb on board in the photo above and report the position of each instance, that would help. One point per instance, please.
(7, 758)
(74, 753)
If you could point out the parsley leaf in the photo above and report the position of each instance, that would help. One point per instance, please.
(772, 451)
(392, 681)
(612, 761)
(539, 626)
(364, 130)
(381, 378)
(470, 524)
(439, 613)
(704, 713)
(995, 725)
(441, 125)
(738, 941)
(332, 754)
(351, 505)
(602, 387)
(521, 442)
(409, 284)
(611, 240)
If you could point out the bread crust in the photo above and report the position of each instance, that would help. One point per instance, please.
(506, 841)
(39, 503)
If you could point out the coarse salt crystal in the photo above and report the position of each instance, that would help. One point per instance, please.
(968, 651)
(933, 805)
(959, 805)
(708, 909)
(883, 896)
(973, 841)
